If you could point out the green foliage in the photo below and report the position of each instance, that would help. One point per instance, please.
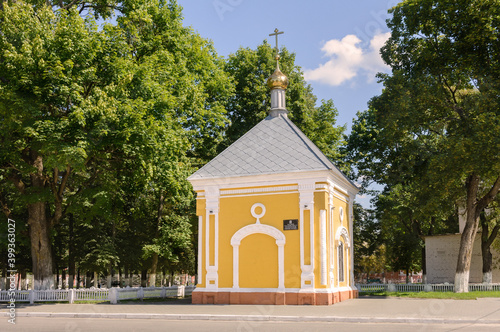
(250, 102)
(116, 114)
(369, 249)
(436, 123)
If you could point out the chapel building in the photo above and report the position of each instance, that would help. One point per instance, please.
(275, 218)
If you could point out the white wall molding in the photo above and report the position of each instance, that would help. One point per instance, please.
(323, 248)
(342, 231)
(212, 208)
(259, 229)
(225, 192)
(306, 202)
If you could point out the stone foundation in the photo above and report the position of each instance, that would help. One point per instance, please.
(273, 298)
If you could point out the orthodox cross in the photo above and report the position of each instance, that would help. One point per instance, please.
(276, 33)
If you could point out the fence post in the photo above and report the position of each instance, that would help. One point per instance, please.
(391, 288)
(31, 296)
(428, 288)
(140, 293)
(163, 292)
(113, 295)
(180, 291)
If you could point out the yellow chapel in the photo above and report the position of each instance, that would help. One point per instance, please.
(275, 218)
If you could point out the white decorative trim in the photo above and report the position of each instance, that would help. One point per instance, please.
(331, 244)
(323, 255)
(341, 214)
(200, 249)
(332, 176)
(259, 229)
(260, 194)
(342, 231)
(306, 202)
(212, 208)
(255, 215)
(340, 251)
(258, 190)
(350, 218)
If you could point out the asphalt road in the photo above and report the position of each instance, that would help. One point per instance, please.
(31, 324)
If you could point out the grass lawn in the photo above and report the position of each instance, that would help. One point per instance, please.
(434, 295)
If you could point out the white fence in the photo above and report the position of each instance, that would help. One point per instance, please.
(113, 295)
(373, 288)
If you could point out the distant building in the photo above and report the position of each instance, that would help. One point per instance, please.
(441, 255)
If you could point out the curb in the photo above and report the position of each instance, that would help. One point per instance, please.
(266, 318)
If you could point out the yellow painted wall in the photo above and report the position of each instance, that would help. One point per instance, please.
(258, 251)
(235, 214)
(258, 262)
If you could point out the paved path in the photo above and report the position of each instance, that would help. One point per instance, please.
(362, 310)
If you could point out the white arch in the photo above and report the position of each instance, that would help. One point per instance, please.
(259, 229)
(342, 231)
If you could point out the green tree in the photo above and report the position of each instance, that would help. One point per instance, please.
(369, 249)
(84, 111)
(251, 100)
(443, 93)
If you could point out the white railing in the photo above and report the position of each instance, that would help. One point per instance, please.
(90, 294)
(113, 295)
(374, 288)
(57, 295)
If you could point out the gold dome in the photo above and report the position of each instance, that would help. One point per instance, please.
(277, 80)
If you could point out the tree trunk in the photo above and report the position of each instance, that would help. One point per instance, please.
(144, 278)
(71, 253)
(424, 267)
(154, 264)
(96, 281)
(63, 278)
(152, 274)
(468, 236)
(41, 251)
(39, 229)
(486, 242)
(109, 278)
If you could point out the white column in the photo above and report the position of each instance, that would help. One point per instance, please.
(323, 258)
(306, 201)
(281, 264)
(236, 267)
(350, 218)
(200, 248)
(212, 208)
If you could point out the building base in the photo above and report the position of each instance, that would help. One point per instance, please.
(202, 296)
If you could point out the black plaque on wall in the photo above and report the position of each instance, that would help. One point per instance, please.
(290, 224)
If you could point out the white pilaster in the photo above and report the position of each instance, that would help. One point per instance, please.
(200, 249)
(306, 201)
(350, 218)
(212, 208)
(322, 235)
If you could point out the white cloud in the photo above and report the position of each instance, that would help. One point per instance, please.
(348, 60)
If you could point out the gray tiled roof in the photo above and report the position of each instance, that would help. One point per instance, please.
(274, 145)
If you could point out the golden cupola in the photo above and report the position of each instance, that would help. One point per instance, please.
(277, 80)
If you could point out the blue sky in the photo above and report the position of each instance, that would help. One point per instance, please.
(336, 42)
